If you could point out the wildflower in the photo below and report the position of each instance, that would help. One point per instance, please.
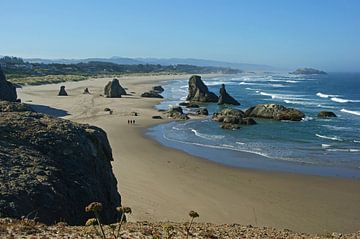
(193, 214)
(91, 222)
(125, 210)
(94, 207)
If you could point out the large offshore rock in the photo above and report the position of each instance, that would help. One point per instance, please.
(113, 89)
(225, 98)
(7, 89)
(274, 111)
(232, 118)
(51, 168)
(177, 113)
(199, 92)
(326, 114)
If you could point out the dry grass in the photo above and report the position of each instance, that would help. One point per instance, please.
(11, 228)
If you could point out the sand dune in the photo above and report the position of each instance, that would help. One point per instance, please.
(162, 184)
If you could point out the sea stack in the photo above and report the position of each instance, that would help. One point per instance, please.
(113, 89)
(7, 89)
(199, 92)
(225, 98)
(62, 91)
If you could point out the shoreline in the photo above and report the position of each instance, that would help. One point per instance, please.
(163, 184)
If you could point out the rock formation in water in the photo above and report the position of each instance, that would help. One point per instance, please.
(151, 94)
(232, 118)
(326, 114)
(113, 89)
(51, 168)
(308, 71)
(199, 92)
(202, 111)
(7, 89)
(177, 113)
(62, 91)
(274, 111)
(225, 98)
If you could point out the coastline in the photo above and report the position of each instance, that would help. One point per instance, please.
(162, 183)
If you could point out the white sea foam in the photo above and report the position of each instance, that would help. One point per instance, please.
(322, 95)
(325, 146)
(337, 128)
(307, 118)
(343, 150)
(292, 81)
(207, 136)
(241, 143)
(351, 111)
(341, 100)
(282, 96)
(299, 102)
(335, 138)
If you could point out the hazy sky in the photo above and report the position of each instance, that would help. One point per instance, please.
(285, 33)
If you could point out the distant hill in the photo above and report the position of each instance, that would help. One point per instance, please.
(160, 61)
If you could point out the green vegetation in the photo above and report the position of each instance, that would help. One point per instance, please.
(20, 72)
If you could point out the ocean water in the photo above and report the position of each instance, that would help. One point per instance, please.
(316, 146)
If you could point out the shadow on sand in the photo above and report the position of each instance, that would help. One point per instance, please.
(49, 110)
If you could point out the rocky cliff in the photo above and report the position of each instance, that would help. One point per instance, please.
(51, 168)
(7, 90)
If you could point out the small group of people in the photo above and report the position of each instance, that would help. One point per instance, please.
(131, 121)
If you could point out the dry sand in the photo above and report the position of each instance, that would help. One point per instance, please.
(161, 183)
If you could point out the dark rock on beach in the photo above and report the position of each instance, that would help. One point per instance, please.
(86, 91)
(62, 91)
(151, 94)
(158, 89)
(199, 92)
(113, 89)
(225, 98)
(7, 89)
(326, 114)
(51, 168)
(156, 117)
(274, 111)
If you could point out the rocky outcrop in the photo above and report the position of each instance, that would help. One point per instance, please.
(199, 92)
(151, 94)
(274, 111)
(158, 89)
(202, 111)
(51, 168)
(113, 89)
(62, 91)
(7, 89)
(308, 71)
(232, 118)
(177, 113)
(326, 114)
(225, 98)
(6, 106)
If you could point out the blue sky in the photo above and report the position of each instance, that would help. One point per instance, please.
(285, 33)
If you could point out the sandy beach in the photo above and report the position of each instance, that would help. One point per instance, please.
(162, 184)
